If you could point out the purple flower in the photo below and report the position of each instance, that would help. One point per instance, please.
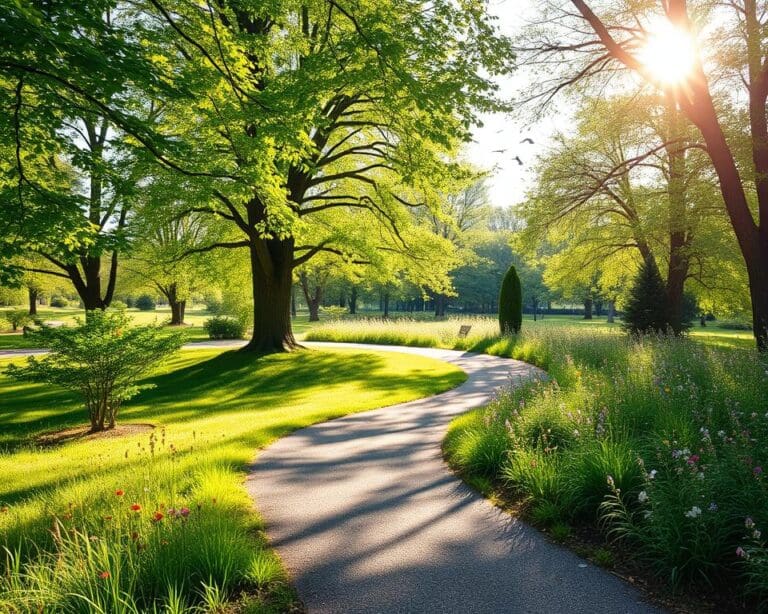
(757, 470)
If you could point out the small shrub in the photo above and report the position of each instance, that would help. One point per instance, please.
(102, 359)
(59, 301)
(213, 304)
(510, 303)
(118, 306)
(603, 557)
(224, 327)
(145, 303)
(18, 318)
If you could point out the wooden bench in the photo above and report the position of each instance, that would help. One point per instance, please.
(464, 331)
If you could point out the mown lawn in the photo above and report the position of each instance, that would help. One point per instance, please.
(211, 410)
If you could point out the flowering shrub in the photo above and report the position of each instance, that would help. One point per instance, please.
(102, 359)
(662, 443)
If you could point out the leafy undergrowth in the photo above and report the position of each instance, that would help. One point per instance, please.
(660, 446)
(161, 522)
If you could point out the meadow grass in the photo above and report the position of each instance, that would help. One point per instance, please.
(160, 520)
(662, 444)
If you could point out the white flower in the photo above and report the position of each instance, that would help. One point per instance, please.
(700, 475)
(652, 474)
(694, 512)
(642, 497)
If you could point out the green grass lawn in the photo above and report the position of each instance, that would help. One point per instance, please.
(212, 410)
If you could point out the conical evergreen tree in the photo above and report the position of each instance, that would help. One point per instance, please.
(510, 303)
(647, 311)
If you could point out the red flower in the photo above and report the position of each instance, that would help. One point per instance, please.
(184, 511)
(104, 575)
(119, 492)
(157, 516)
(135, 507)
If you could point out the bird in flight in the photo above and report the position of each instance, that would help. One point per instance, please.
(527, 140)
(518, 160)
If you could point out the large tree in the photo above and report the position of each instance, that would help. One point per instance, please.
(603, 40)
(323, 105)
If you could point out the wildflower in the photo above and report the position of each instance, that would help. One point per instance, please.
(693, 459)
(157, 516)
(749, 523)
(700, 475)
(642, 497)
(134, 536)
(184, 511)
(119, 492)
(721, 433)
(652, 474)
(135, 507)
(756, 534)
(93, 538)
(104, 575)
(4, 509)
(741, 553)
(610, 481)
(757, 470)
(712, 507)
(694, 512)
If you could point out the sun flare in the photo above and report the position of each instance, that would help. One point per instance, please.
(668, 53)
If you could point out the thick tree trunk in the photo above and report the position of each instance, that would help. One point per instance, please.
(678, 273)
(588, 303)
(385, 304)
(33, 296)
(611, 311)
(272, 278)
(758, 284)
(293, 301)
(177, 312)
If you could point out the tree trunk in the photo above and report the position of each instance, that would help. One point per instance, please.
(703, 320)
(272, 279)
(385, 303)
(293, 301)
(758, 283)
(33, 295)
(177, 312)
(535, 303)
(353, 301)
(611, 311)
(588, 308)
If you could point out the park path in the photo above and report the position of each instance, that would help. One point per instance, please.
(368, 518)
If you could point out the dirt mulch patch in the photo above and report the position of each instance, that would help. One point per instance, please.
(84, 433)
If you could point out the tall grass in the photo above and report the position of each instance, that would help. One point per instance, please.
(661, 443)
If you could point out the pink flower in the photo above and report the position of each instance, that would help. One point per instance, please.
(757, 470)
(184, 511)
(694, 458)
(741, 553)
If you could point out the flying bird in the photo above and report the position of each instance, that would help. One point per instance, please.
(499, 151)
(527, 140)
(518, 160)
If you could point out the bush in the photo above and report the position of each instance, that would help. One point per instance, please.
(18, 318)
(647, 311)
(59, 301)
(145, 303)
(224, 327)
(510, 303)
(118, 306)
(102, 359)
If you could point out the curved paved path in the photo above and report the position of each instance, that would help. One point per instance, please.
(368, 518)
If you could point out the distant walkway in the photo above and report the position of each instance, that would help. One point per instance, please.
(368, 518)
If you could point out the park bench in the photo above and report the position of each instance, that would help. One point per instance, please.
(464, 331)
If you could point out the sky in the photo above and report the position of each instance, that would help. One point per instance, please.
(499, 141)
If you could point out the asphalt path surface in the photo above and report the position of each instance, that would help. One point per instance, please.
(368, 518)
